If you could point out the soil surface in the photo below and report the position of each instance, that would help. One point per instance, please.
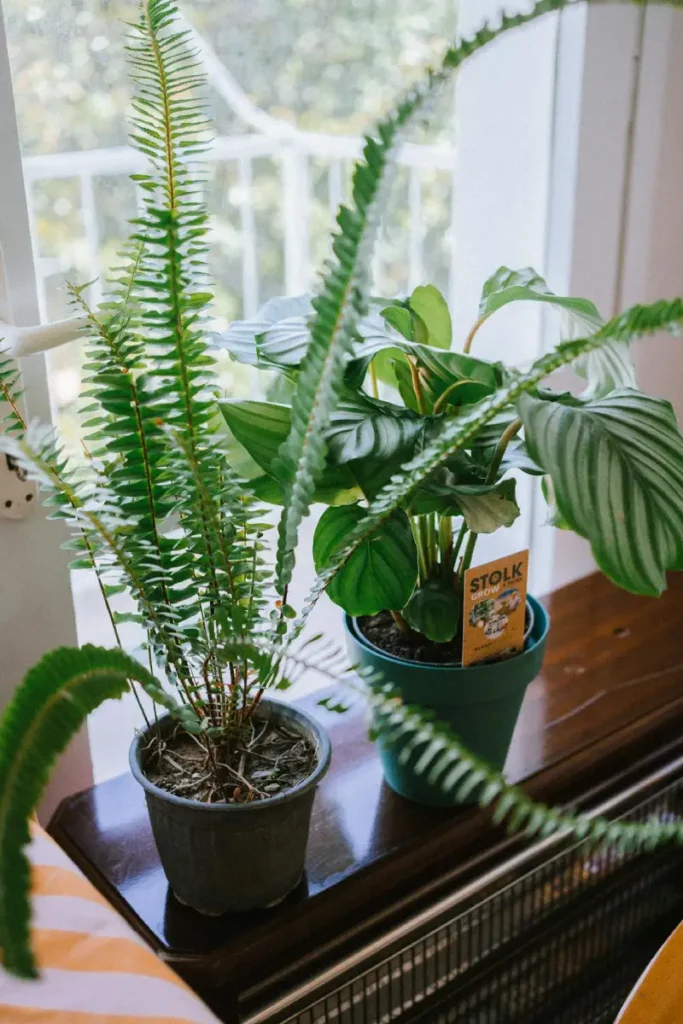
(382, 631)
(269, 761)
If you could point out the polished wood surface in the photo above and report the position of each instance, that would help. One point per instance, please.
(608, 704)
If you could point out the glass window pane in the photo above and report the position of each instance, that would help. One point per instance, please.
(293, 84)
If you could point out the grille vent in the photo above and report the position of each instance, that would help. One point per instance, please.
(563, 943)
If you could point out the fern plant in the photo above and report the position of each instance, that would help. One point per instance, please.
(153, 505)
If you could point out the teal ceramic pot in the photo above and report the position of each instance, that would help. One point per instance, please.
(480, 703)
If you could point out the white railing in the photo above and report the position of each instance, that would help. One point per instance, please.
(291, 151)
(266, 136)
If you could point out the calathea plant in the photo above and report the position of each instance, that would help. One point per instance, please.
(155, 508)
(611, 458)
(399, 473)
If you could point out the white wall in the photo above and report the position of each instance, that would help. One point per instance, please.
(504, 116)
(654, 257)
(621, 202)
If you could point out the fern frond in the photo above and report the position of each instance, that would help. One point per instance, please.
(10, 394)
(171, 130)
(122, 425)
(456, 432)
(447, 762)
(99, 520)
(343, 296)
(443, 758)
(44, 714)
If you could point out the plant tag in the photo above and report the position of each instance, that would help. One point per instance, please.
(495, 609)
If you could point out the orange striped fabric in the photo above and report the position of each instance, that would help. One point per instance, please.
(94, 968)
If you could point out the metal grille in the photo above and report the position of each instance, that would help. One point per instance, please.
(563, 943)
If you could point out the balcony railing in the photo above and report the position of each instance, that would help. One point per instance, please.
(292, 154)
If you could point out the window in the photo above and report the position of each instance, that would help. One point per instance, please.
(293, 84)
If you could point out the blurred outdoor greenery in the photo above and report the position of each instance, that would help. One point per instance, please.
(327, 66)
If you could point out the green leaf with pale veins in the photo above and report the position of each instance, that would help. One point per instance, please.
(605, 369)
(250, 342)
(616, 466)
(435, 610)
(381, 574)
(526, 285)
(485, 507)
(261, 427)
(362, 427)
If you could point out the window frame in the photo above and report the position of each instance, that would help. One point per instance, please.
(607, 60)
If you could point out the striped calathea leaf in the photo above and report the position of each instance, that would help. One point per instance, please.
(260, 428)
(363, 427)
(604, 369)
(616, 466)
(277, 336)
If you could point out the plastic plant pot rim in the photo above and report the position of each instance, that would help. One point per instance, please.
(538, 616)
(315, 731)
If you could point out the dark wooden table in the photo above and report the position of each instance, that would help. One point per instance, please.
(608, 705)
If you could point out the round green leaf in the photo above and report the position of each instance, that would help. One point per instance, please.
(380, 574)
(435, 610)
(430, 305)
(617, 472)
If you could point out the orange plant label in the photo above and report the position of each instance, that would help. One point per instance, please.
(495, 609)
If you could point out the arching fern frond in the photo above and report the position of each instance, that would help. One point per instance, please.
(455, 432)
(343, 296)
(444, 759)
(10, 394)
(448, 763)
(99, 520)
(171, 129)
(44, 714)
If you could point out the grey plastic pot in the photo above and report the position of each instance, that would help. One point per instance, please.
(233, 857)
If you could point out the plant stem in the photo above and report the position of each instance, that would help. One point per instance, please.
(423, 547)
(504, 441)
(469, 551)
(458, 543)
(443, 398)
(421, 558)
(470, 337)
(400, 621)
(417, 388)
(433, 536)
(373, 381)
(446, 545)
